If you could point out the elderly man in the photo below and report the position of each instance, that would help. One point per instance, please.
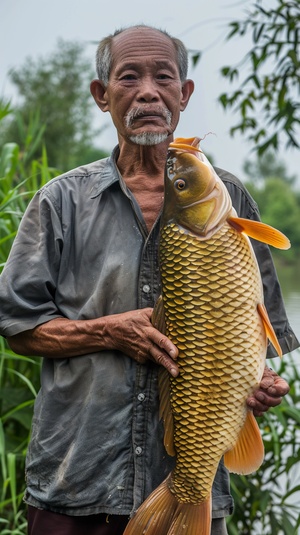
(89, 241)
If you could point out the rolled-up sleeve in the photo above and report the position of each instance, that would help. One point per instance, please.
(28, 281)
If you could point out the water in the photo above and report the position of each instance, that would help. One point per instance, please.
(292, 304)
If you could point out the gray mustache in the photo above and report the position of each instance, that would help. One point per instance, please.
(141, 111)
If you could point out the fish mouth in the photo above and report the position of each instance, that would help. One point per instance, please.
(190, 145)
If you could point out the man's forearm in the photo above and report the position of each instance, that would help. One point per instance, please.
(61, 338)
(131, 333)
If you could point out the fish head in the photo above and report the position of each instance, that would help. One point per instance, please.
(195, 197)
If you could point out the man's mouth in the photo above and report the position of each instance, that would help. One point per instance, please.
(136, 114)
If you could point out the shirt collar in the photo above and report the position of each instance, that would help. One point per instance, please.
(109, 174)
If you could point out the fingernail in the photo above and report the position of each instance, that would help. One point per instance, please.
(174, 372)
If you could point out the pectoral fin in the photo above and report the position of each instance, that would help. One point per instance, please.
(260, 231)
(268, 328)
(158, 316)
(165, 410)
(248, 453)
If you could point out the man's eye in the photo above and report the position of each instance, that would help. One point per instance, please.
(128, 77)
(164, 76)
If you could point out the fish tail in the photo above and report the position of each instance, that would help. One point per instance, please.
(163, 514)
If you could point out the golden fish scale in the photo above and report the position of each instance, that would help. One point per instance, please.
(210, 290)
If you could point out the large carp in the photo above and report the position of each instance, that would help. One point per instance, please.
(212, 309)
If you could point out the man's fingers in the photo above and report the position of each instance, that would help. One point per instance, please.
(168, 346)
(268, 401)
(260, 402)
(269, 394)
(164, 359)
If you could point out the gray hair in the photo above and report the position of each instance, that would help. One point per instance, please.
(104, 55)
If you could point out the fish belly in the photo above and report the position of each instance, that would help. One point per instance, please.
(211, 289)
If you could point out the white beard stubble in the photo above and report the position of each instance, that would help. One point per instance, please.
(147, 138)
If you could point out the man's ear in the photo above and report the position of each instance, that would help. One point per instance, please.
(98, 91)
(187, 91)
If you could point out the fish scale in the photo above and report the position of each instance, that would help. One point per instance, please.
(198, 424)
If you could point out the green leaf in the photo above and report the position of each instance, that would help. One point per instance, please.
(258, 30)
(11, 462)
(196, 58)
(9, 159)
(293, 413)
(235, 28)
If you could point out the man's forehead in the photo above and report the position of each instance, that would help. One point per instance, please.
(135, 43)
(136, 63)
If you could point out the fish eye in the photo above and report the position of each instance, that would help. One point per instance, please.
(180, 184)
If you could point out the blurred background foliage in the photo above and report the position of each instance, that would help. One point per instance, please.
(266, 81)
(54, 95)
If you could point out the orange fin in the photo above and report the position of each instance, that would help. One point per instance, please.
(268, 328)
(247, 454)
(155, 514)
(158, 316)
(260, 231)
(162, 514)
(165, 410)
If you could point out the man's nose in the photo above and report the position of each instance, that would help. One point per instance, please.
(148, 91)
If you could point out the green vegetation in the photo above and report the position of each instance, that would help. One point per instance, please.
(267, 98)
(267, 502)
(20, 176)
(278, 200)
(54, 92)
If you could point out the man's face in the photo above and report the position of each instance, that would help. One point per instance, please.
(144, 93)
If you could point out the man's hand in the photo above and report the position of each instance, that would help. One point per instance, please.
(133, 334)
(269, 393)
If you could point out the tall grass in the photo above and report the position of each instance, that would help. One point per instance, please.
(20, 177)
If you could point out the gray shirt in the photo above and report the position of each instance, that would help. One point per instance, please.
(82, 252)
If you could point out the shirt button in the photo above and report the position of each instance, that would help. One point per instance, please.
(141, 397)
(138, 450)
(146, 288)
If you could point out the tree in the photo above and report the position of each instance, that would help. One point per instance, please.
(54, 91)
(265, 167)
(271, 186)
(267, 99)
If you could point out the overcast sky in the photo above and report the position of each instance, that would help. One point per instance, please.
(32, 28)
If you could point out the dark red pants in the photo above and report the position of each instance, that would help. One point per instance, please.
(41, 522)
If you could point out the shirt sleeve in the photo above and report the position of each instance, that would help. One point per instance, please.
(29, 278)
(246, 207)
